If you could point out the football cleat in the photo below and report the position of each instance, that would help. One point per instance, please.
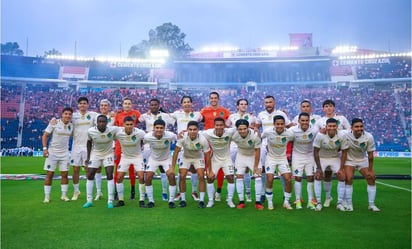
(259, 206)
(46, 200)
(248, 197)
(373, 208)
(150, 205)
(318, 207)
(240, 206)
(141, 204)
(119, 204)
(195, 196)
(64, 198)
(327, 202)
(202, 204)
(210, 204)
(218, 197)
(98, 196)
(182, 204)
(270, 205)
(231, 204)
(110, 205)
(177, 197)
(87, 205)
(349, 208)
(310, 206)
(340, 207)
(76, 196)
(286, 205)
(172, 205)
(164, 197)
(298, 205)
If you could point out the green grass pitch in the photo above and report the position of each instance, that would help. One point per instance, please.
(28, 223)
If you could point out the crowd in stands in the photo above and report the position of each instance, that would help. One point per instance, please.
(398, 68)
(379, 108)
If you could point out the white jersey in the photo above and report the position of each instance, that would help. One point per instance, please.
(195, 148)
(358, 147)
(246, 146)
(220, 145)
(266, 119)
(102, 141)
(160, 148)
(313, 118)
(82, 123)
(150, 118)
(130, 143)
(59, 143)
(182, 118)
(343, 123)
(303, 140)
(330, 146)
(231, 121)
(277, 143)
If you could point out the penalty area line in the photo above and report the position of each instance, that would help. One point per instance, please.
(393, 186)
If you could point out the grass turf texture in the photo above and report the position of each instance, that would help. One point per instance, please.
(28, 223)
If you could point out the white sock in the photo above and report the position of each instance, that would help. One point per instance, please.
(149, 191)
(239, 189)
(64, 188)
(120, 191)
(371, 193)
(282, 180)
(141, 191)
(287, 197)
(230, 190)
(89, 190)
(193, 178)
(164, 182)
(76, 187)
(309, 188)
(47, 191)
(202, 196)
(178, 183)
(269, 195)
(328, 189)
(298, 190)
(318, 191)
(210, 191)
(172, 193)
(248, 181)
(183, 196)
(258, 188)
(348, 194)
(98, 178)
(341, 191)
(110, 190)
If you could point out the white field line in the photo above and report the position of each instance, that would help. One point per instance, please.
(393, 186)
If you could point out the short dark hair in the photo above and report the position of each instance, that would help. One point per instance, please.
(186, 97)
(218, 119)
(238, 101)
(270, 97)
(278, 117)
(210, 94)
(304, 114)
(193, 123)
(127, 118)
(82, 99)
(331, 120)
(102, 116)
(240, 122)
(305, 101)
(159, 122)
(155, 100)
(356, 120)
(328, 102)
(67, 109)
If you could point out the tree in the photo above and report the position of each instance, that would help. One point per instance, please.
(52, 52)
(167, 36)
(11, 48)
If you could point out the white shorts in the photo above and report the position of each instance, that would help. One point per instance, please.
(125, 163)
(280, 163)
(98, 161)
(333, 163)
(185, 163)
(242, 162)
(233, 151)
(358, 164)
(263, 151)
(78, 157)
(146, 153)
(52, 162)
(153, 164)
(303, 164)
(227, 166)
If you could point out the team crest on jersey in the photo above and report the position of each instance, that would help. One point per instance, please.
(296, 171)
(88, 117)
(191, 115)
(134, 116)
(310, 135)
(222, 114)
(284, 139)
(362, 145)
(71, 161)
(250, 142)
(313, 121)
(337, 142)
(267, 169)
(197, 145)
(69, 127)
(134, 138)
(246, 117)
(167, 142)
(109, 120)
(109, 135)
(159, 118)
(227, 138)
(48, 166)
(338, 122)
